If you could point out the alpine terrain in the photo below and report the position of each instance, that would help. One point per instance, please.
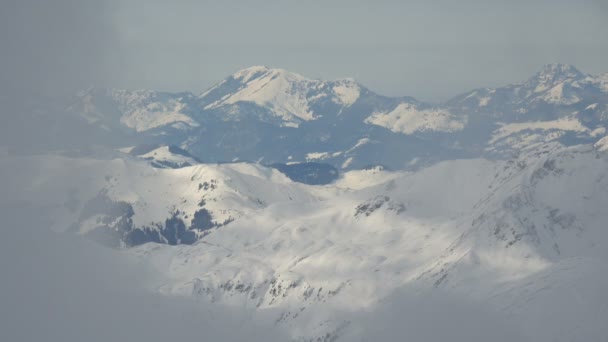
(338, 214)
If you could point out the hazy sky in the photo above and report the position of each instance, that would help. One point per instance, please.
(427, 49)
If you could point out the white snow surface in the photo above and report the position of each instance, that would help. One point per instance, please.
(317, 156)
(564, 124)
(347, 92)
(407, 118)
(560, 95)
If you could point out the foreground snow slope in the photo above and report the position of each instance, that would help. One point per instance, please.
(525, 237)
(512, 234)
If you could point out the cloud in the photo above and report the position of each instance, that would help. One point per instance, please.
(50, 49)
(409, 315)
(61, 288)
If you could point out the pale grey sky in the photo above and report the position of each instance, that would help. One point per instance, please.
(427, 49)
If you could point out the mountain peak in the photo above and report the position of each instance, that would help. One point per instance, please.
(253, 72)
(550, 75)
(258, 71)
(286, 95)
(557, 71)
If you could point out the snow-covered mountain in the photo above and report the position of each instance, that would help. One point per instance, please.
(279, 96)
(559, 103)
(554, 84)
(272, 116)
(510, 233)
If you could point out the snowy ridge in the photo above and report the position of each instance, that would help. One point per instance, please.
(556, 84)
(279, 90)
(553, 75)
(287, 95)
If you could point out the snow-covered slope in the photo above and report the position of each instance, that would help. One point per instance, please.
(406, 118)
(512, 234)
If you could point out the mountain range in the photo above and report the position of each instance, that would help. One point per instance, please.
(325, 208)
(273, 116)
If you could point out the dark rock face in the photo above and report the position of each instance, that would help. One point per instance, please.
(113, 219)
(202, 220)
(370, 207)
(114, 225)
